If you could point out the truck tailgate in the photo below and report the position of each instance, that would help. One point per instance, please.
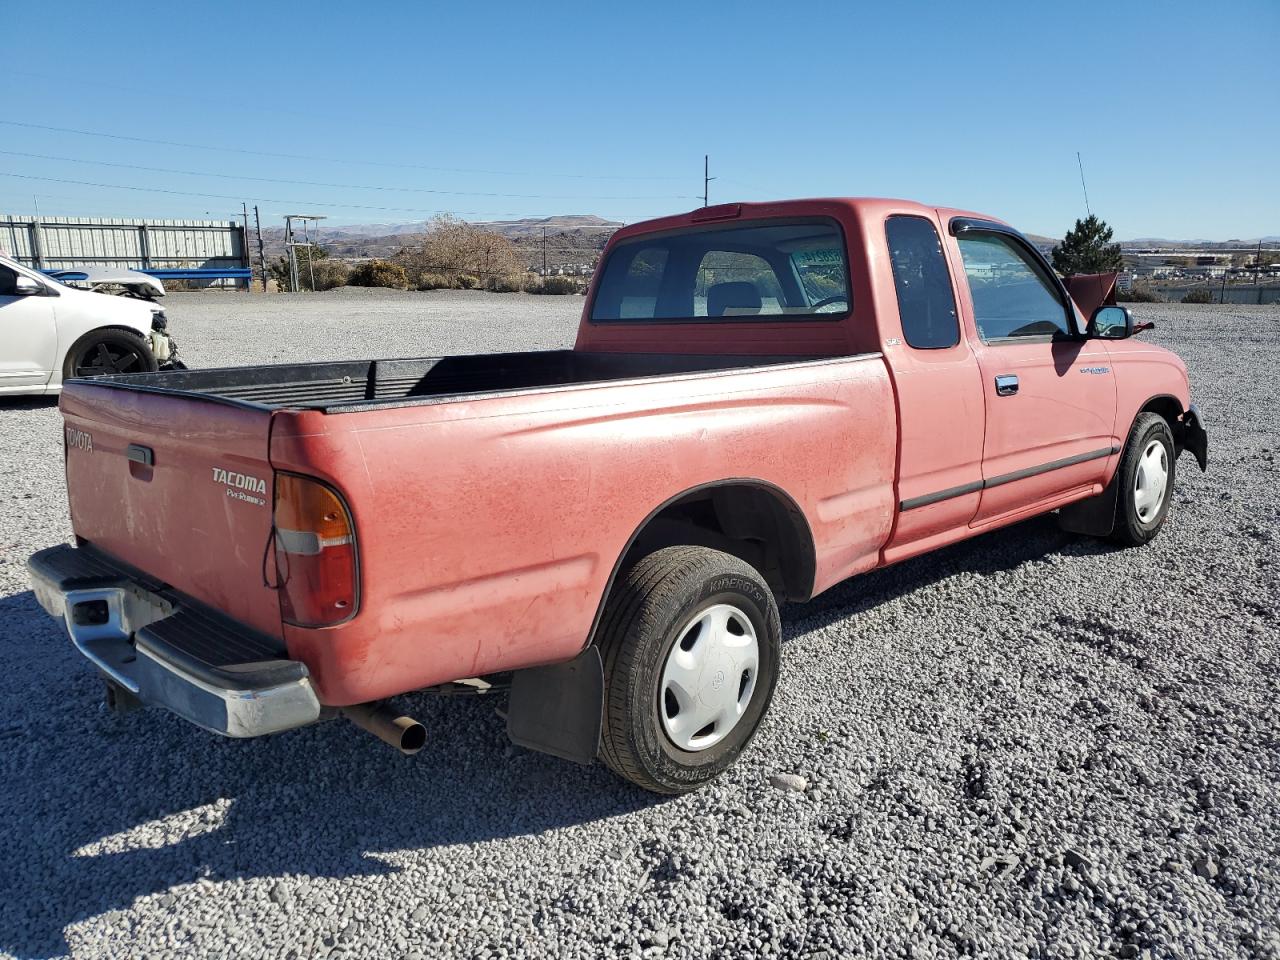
(178, 486)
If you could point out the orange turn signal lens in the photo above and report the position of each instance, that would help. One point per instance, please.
(315, 553)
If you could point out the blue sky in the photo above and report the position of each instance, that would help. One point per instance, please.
(530, 109)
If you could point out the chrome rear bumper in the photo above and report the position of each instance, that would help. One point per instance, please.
(169, 652)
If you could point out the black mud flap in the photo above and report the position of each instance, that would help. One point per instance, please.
(1095, 516)
(1195, 438)
(559, 709)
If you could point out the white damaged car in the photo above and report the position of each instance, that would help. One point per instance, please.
(50, 332)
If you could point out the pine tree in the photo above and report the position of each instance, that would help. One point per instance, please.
(1087, 248)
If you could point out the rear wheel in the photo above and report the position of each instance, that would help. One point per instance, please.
(690, 641)
(110, 351)
(1145, 478)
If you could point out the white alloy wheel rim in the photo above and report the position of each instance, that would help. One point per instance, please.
(1151, 481)
(709, 677)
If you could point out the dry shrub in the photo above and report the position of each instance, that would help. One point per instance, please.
(456, 249)
(1137, 294)
(379, 273)
(505, 283)
(329, 274)
(560, 285)
(433, 281)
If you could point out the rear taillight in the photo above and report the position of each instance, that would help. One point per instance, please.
(315, 553)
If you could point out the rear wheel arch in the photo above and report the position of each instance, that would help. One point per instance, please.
(754, 520)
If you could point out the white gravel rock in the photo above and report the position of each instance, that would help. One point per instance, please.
(973, 723)
(789, 782)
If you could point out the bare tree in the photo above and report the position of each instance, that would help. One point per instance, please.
(454, 249)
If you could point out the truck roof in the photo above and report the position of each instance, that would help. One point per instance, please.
(862, 221)
(860, 207)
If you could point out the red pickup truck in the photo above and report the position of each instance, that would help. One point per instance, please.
(763, 400)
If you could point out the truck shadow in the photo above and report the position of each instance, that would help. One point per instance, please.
(102, 809)
(28, 403)
(1005, 549)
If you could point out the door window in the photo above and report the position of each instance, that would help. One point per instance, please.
(926, 302)
(1012, 298)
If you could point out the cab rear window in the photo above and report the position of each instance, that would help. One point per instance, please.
(763, 270)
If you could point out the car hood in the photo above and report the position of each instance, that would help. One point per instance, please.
(108, 311)
(134, 281)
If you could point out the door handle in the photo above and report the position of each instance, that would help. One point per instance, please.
(1006, 385)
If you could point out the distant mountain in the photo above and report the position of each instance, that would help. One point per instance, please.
(571, 238)
(533, 226)
(370, 229)
(576, 238)
(1163, 244)
(510, 228)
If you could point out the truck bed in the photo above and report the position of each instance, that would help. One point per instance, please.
(344, 386)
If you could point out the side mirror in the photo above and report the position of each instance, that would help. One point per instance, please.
(1110, 322)
(24, 286)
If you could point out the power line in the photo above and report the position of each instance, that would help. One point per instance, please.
(222, 196)
(337, 186)
(743, 183)
(298, 156)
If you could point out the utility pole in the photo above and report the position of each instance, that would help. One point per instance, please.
(244, 248)
(262, 256)
(544, 251)
(706, 178)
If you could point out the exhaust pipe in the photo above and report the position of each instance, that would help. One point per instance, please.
(389, 725)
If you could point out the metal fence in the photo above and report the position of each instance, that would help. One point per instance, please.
(59, 243)
(1244, 293)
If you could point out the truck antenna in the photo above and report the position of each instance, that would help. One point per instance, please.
(706, 178)
(1080, 164)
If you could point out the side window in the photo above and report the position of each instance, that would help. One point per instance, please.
(926, 302)
(8, 281)
(736, 284)
(1011, 297)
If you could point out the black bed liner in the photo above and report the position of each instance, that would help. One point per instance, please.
(347, 385)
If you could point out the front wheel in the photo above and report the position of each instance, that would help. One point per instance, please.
(103, 352)
(1145, 478)
(691, 643)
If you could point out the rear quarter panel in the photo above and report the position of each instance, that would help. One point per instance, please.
(488, 529)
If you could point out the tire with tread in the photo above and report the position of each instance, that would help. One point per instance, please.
(645, 612)
(119, 344)
(1130, 530)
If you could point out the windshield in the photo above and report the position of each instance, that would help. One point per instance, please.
(746, 271)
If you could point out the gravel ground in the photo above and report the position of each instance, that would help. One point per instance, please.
(1027, 745)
